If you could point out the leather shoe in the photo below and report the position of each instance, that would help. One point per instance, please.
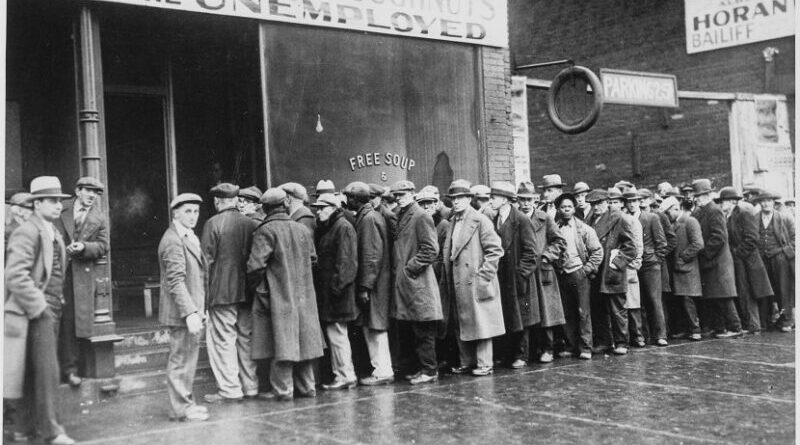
(460, 370)
(411, 377)
(424, 378)
(73, 380)
(219, 398)
(272, 397)
(339, 384)
(661, 342)
(546, 357)
(482, 371)
(376, 381)
(62, 439)
(586, 355)
(566, 354)
(518, 364)
(620, 350)
(695, 337)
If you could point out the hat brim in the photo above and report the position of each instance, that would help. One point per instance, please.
(456, 195)
(47, 195)
(545, 186)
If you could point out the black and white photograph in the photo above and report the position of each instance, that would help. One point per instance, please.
(236, 222)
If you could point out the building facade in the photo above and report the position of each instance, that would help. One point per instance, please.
(160, 98)
(705, 136)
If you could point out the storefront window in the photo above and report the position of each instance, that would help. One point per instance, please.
(348, 106)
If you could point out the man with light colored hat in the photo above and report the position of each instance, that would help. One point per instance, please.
(623, 185)
(296, 199)
(184, 289)
(752, 281)
(325, 186)
(525, 193)
(582, 207)
(417, 304)
(337, 249)
(777, 248)
(684, 269)
(36, 263)
(442, 211)
(249, 203)
(226, 241)
(20, 208)
(286, 328)
(374, 278)
(85, 230)
(716, 263)
(480, 197)
(552, 186)
(471, 252)
(515, 274)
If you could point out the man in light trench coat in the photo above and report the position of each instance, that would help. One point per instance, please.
(471, 252)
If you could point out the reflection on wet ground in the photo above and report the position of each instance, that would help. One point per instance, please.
(714, 391)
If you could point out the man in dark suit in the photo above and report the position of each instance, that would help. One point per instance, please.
(85, 230)
(716, 263)
(610, 286)
(184, 287)
(752, 281)
(776, 245)
(226, 241)
(35, 268)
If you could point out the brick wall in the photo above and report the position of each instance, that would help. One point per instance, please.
(638, 35)
(496, 69)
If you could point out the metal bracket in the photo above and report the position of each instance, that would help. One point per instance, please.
(569, 62)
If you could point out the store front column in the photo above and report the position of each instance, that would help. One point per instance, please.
(97, 352)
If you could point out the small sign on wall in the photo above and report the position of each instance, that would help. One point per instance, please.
(715, 24)
(638, 88)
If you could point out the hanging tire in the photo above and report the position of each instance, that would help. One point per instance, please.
(559, 81)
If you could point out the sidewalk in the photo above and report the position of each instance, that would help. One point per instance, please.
(713, 391)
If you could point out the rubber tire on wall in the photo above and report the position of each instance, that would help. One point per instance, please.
(563, 77)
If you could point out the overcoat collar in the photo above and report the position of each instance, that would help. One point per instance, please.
(47, 244)
(470, 222)
(604, 225)
(363, 211)
(194, 250)
(406, 215)
(508, 229)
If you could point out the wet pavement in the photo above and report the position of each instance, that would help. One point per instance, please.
(713, 391)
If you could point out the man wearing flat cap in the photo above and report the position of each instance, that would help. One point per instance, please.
(286, 328)
(752, 281)
(85, 230)
(225, 242)
(552, 187)
(374, 277)
(516, 276)
(378, 198)
(249, 203)
(184, 289)
(417, 304)
(776, 245)
(34, 272)
(716, 263)
(19, 207)
(296, 198)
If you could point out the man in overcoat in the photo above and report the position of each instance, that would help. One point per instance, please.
(225, 242)
(685, 269)
(716, 263)
(374, 278)
(654, 245)
(286, 328)
(776, 245)
(34, 272)
(752, 281)
(471, 252)
(525, 193)
(337, 249)
(580, 259)
(85, 232)
(552, 187)
(184, 289)
(611, 284)
(249, 203)
(19, 207)
(417, 304)
(548, 244)
(516, 276)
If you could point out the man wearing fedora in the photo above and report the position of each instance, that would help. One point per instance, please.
(471, 252)
(184, 289)
(20, 208)
(36, 264)
(610, 287)
(752, 282)
(516, 276)
(716, 263)
(579, 192)
(225, 241)
(552, 187)
(417, 304)
(525, 194)
(85, 230)
(776, 245)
